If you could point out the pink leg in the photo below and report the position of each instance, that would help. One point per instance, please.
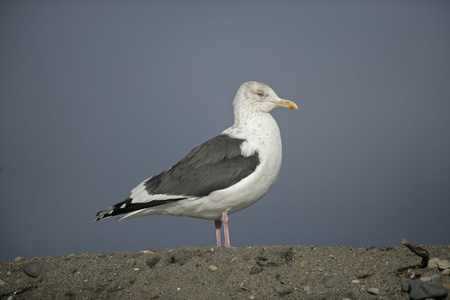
(225, 230)
(218, 225)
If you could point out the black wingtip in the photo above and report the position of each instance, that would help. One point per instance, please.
(103, 214)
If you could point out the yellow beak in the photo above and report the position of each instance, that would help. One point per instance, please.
(286, 103)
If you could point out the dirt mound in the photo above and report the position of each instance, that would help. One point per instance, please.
(258, 272)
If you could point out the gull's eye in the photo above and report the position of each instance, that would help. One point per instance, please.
(260, 94)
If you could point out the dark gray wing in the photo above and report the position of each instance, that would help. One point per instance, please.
(214, 165)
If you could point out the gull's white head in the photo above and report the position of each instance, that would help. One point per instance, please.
(259, 97)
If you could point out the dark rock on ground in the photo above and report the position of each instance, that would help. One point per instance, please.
(34, 268)
(419, 290)
(257, 272)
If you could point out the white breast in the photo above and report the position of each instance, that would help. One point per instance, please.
(262, 135)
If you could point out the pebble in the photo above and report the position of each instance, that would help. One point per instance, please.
(2, 282)
(437, 263)
(334, 281)
(34, 268)
(212, 268)
(432, 263)
(363, 274)
(420, 290)
(373, 291)
(446, 272)
(319, 268)
(405, 287)
(283, 289)
(18, 258)
(435, 276)
(303, 264)
(306, 289)
(430, 278)
(443, 264)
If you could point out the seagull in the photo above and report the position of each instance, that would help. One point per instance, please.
(224, 175)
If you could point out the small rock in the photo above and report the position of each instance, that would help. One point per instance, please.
(2, 283)
(18, 258)
(334, 281)
(419, 290)
(445, 272)
(425, 279)
(356, 281)
(34, 268)
(443, 264)
(405, 287)
(319, 268)
(303, 264)
(283, 289)
(212, 268)
(432, 263)
(373, 291)
(306, 289)
(435, 277)
(363, 274)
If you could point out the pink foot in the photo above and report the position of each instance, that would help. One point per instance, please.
(218, 225)
(225, 231)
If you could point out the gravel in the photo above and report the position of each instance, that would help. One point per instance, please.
(257, 272)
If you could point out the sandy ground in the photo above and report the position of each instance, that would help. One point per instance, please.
(258, 272)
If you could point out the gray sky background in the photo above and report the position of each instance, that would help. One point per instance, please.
(96, 96)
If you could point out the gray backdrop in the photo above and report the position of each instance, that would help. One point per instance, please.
(96, 96)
